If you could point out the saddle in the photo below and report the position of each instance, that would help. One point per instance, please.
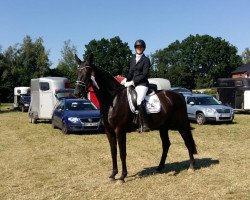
(152, 101)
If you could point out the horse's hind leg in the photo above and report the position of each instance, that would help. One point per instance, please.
(123, 154)
(165, 147)
(190, 144)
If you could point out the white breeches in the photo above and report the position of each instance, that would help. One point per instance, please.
(141, 93)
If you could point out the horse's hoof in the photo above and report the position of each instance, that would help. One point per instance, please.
(120, 181)
(111, 179)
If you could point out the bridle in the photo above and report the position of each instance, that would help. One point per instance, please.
(82, 83)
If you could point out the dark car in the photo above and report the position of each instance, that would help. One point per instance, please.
(77, 115)
(24, 103)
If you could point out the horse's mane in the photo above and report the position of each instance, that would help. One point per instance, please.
(107, 79)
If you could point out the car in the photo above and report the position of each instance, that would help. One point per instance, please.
(203, 108)
(24, 103)
(76, 115)
(181, 90)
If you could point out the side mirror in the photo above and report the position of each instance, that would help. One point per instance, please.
(191, 103)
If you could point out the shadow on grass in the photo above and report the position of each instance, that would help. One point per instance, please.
(176, 167)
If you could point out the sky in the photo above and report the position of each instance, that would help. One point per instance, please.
(158, 22)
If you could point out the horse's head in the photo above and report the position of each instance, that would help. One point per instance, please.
(84, 73)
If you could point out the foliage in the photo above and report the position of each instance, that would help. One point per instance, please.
(113, 54)
(67, 66)
(246, 56)
(20, 63)
(196, 62)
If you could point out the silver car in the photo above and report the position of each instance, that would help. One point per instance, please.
(203, 108)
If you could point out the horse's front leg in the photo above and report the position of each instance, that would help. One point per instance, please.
(121, 136)
(165, 147)
(113, 147)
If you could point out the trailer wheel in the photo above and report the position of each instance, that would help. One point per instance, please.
(33, 120)
(52, 123)
(64, 129)
(200, 119)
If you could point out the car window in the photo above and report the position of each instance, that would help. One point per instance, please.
(77, 105)
(44, 86)
(60, 105)
(206, 101)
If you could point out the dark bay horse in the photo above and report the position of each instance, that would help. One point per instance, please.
(118, 119)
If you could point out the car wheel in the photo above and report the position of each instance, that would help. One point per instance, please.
(200, 119)
(64, 129)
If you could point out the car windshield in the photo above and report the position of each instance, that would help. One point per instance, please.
(80, 105)
(26, 98)
(206, 101)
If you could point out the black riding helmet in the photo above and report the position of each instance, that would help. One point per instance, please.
(140, 43)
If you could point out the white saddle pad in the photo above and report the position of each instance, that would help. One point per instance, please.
(153, 104)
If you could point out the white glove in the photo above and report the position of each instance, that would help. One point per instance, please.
(127, 84)
(124, 81)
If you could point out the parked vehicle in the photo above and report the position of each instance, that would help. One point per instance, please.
(159, 83)
(181, 90)
(234, 92)
(45, 93)
(72, 115)
(21, 98)
(203, 108)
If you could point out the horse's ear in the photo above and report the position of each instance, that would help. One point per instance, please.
(78, 61)
(91, 58)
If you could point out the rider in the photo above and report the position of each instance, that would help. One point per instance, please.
(137, 76)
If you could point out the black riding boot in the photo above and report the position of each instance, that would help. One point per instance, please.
(143, 118)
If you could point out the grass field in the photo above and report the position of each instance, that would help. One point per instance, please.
(38, 162)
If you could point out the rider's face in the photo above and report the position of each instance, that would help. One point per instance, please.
(139, 49)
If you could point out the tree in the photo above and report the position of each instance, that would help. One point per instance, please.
(67, 66)
(21, 62)
(113, 54)
(246, 56)
(197, 61)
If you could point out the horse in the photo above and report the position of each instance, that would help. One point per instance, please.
(118, 118)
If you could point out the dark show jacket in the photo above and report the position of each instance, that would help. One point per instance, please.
(138, 72)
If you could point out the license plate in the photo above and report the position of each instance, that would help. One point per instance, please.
(91, 124)
(225, 115)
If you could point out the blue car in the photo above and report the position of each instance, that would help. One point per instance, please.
(76, 115)
(203, 108)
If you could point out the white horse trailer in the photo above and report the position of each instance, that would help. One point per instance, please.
(44, 96)
(19, 93)
(159, 83)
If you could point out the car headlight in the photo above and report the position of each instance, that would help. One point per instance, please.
(210, 110)
(73, 119)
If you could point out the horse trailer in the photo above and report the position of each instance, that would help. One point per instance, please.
(21, 98)
(45, 93)
(234, 92)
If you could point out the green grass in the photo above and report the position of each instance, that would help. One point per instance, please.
(38, 162)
